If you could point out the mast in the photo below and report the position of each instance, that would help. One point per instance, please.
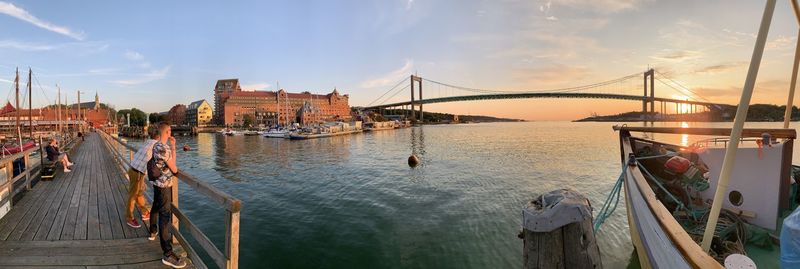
(80, 126)
(738, 125)
(16, 100)
(58, 109)
(30, 102)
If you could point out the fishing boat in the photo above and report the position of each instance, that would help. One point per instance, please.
(719, 201)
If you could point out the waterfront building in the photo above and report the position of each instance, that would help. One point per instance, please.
(269, 107)
(177, 115)
(199, 113)
(94, 113)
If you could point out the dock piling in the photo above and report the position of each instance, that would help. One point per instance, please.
(557, 232)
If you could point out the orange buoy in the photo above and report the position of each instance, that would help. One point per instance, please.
(186, 148)
(413, 161)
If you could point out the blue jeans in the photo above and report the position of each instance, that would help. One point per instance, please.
(162, 210)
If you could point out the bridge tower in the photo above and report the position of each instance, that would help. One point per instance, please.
(651, 74)
(419, 82)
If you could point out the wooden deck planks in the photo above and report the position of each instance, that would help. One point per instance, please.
(78, 220)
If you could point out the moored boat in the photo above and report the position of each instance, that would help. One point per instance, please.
(333, 129)
(669, 190)
(380, 125)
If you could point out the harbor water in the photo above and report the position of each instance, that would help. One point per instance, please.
(353, 202)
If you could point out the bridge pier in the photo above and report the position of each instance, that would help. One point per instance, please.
(419, 81)
(649, 73)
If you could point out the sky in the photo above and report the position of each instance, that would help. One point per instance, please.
(154, 54)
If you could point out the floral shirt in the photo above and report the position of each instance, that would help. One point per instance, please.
(163, 153)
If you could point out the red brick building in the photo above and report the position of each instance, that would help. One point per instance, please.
(92, 112)
(281, 107)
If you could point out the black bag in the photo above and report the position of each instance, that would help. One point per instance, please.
(153, 172)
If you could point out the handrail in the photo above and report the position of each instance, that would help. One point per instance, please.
(751, 132)
(227, 258)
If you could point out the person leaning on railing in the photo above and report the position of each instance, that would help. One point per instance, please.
(161, 170)
(136, 174)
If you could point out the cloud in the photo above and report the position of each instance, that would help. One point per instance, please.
(677, 55)
(719, 68)
(781, 42)
(151, 76)
(389, 78)
(602, 6)
(25, 46)
(256, 87)
(550, 74)
(133, 56)
(19, 13)
(72, 47)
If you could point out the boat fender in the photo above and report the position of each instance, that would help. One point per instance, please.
(790, 241)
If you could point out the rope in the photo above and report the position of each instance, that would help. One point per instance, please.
(608, 209)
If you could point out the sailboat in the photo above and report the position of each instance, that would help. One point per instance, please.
(9, 148)
(719, 202)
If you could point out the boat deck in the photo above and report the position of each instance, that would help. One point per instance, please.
(77, 220)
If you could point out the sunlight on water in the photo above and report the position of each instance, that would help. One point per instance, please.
(684, 137)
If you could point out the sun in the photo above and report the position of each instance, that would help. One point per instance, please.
(682, 108)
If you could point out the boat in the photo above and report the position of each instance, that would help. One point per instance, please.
(250, 133)
(331, 129)
(232, 132)
(276, 133)
(721, 200)
(666, 202)
(380, 125)
(13, 148)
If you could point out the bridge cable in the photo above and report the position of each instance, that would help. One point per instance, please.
(395, 94)
(684, 87)
(395, 86)
(559, 90)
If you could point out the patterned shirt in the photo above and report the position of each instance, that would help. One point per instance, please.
(163, 153)
(142, 156)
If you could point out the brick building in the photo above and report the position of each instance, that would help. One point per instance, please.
(281, 107)
(92, 112)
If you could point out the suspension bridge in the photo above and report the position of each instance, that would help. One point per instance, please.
(628, 87)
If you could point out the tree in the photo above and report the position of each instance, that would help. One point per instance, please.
(156, 118)
(138, 117)
(247, 120)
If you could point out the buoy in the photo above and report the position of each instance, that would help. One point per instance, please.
(186, 148)
(413, 161)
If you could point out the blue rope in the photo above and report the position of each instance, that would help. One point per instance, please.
(608, 208)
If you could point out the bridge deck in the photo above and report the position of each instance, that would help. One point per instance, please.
(77, 220)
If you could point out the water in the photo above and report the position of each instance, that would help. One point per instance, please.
(353, 202)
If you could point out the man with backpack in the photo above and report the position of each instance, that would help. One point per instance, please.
(161, 170)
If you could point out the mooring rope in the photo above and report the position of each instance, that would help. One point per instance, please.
(608, 209)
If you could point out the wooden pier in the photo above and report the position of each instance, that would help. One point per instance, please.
(77, 220)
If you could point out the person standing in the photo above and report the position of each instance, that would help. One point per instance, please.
(136, 174)
(161, 171)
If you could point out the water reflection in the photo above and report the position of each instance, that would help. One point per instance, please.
(684, 137)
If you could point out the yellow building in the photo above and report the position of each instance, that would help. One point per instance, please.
(199, 113)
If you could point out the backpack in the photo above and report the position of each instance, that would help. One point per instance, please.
(153, 172)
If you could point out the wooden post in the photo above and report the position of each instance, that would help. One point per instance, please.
(175, 221)
(27, 171)
(232, 239)
(557, 232)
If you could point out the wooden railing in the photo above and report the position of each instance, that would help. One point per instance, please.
(226, 258)
(9, 188)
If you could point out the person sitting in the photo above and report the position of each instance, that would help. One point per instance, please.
(54, 154)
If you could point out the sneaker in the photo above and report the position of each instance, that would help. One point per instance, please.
(146, 217)
(133, 223)
(173, 261)
(153, 236)
(70, 164)
(66, 170)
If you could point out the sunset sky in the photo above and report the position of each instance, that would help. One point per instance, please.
(154, 54)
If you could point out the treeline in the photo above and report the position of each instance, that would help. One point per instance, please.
(447, 117)
(139, 118)
(756, 112)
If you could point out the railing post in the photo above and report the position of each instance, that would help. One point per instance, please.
(175, 221)
(232, 239)
(27, 171)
